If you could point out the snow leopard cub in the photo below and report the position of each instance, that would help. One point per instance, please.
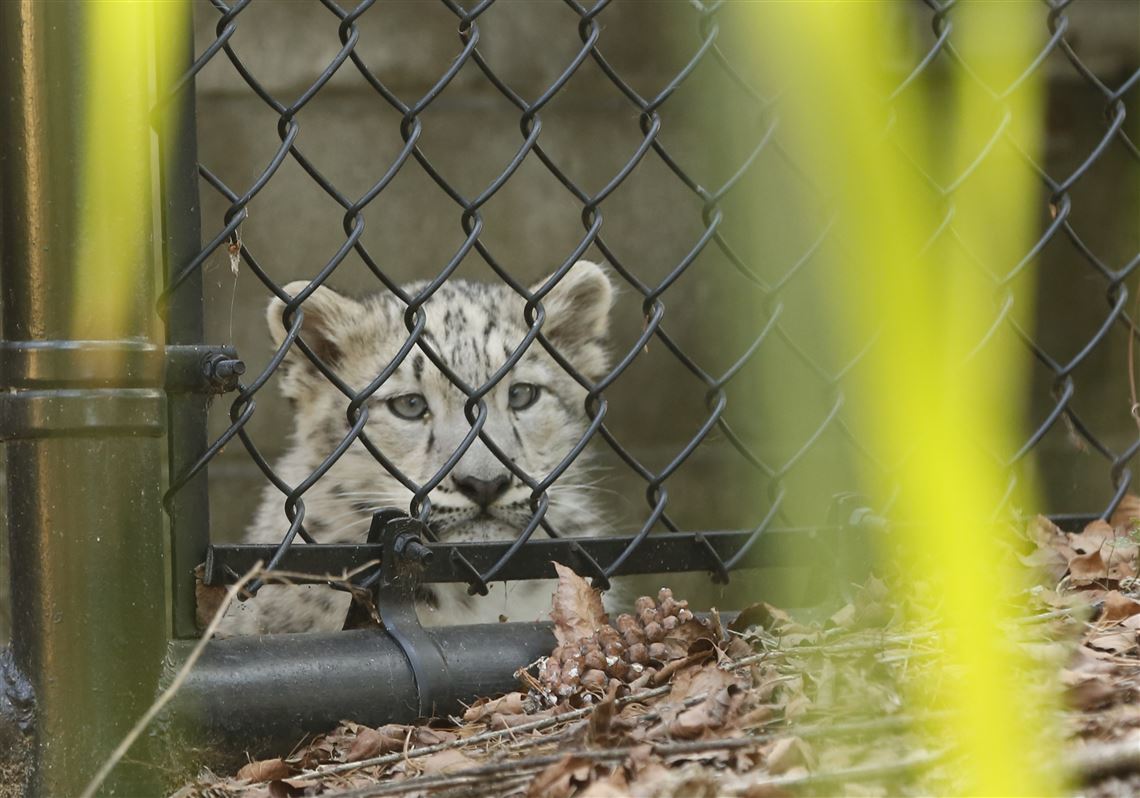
(535, 415)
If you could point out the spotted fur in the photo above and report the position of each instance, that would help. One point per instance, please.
(474, 328)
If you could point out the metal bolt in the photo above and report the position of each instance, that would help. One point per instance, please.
(223, 371)
(409, 547)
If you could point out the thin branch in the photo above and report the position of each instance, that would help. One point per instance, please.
(169, 693)
(543, 723)
(493, 771)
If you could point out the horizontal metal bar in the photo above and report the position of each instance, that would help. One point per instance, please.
(663, 553)
(80, 364)
(77, 412)
(266, 692)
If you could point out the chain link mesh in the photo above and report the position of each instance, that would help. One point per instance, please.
(760, 313)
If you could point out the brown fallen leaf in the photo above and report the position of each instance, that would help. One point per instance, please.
(577, 612)
(614, 785)
(562, 778)
(762, 614)
(1044, 532)
(374, 742)
(1114, 643)
(265, 770)
(1118, 606)
(510, 704)
(706, 679)
(786, 753)
(602, 718)
(285, 789)
(446, 761)
(1094, 537)
(1127, 513)
(1088, 567)
(207, 598)
(500, 721)
(1048, 560)
(710, 715)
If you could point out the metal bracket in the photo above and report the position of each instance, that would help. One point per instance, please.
(202, 369)
(402, 562)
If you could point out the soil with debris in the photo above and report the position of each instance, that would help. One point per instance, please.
(662, 703)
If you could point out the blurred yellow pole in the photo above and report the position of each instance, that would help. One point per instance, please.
(82, 384)
(934, 407)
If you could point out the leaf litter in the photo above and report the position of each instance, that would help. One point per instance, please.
(663, 703)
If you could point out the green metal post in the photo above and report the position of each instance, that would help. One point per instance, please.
(82, 414)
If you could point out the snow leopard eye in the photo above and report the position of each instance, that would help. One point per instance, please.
(522, 395)
(409, 405)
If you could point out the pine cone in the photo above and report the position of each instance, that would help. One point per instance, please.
(627, 653)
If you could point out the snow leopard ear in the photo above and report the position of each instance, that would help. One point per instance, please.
(578, 316)
(328, 318)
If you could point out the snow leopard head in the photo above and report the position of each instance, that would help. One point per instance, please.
(535, 415)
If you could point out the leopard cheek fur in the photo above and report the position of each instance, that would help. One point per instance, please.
(474, 328)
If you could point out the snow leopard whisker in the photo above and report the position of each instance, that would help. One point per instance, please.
(354, 511)
(331, 534)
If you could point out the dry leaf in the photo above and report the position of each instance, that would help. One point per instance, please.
(711, 714)
(374, 742)
(1127, 513)
(510, 704)
(1118, 606)
(578, 611)
(560, 779)
(1089, 566)
(1049, 560)
(602, 718)
(1045, 533)
(1093, 537)
(762, 614)
(501, 721)
(447, 761)
(265, 770)
(787, 753)
(1114, 643)
(705, 680)
(613, 786)
(207, 599)
(286, 789)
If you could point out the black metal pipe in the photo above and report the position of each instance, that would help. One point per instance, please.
(266, 692)
(81, 399)
(188, 507)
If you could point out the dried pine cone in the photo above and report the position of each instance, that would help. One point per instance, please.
(627, 653)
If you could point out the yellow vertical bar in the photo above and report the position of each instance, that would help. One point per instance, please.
(937, 394)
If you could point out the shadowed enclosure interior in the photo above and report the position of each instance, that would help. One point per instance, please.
(377, 144)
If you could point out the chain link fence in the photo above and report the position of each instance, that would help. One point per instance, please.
(398, 148)
(413, 173)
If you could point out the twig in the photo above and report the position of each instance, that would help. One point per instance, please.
(543, 723)
(169, 693)
(855, 646)
(492, 770)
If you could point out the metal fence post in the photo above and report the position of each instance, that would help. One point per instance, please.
(82, 418)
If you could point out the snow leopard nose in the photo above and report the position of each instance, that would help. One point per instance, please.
(482, 491)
